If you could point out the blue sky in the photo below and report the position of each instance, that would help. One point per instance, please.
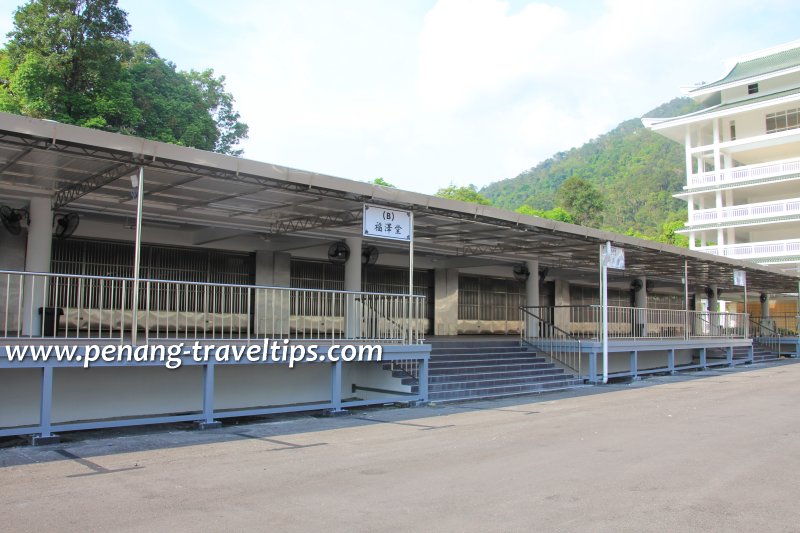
(425, 93)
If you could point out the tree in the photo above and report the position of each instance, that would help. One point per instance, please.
(668, 235)
(466, 193)
(556, 213)
(70, 61)
(383, 182)
(582, 201)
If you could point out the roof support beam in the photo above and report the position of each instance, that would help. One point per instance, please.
(72, 192)
(295, 225)
(5, 166)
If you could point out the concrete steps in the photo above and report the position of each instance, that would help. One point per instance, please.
(490, 368)
(761, 353)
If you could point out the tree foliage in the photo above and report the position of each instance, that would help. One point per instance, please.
(636, 170)
(467, 193)
(582, 201)
(557, 213)
(71, 61)
(382, 182)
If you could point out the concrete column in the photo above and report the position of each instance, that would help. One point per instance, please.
(272, 306)
(37, 259)
(561, 317)
(717, 159)
(713, 302)
(446, 301)
(532, 295)
(713, 307)
(352, 282)
(352, 268)
(640, 302)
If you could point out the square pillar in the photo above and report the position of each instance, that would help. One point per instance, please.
(272, 307)
(446, 301)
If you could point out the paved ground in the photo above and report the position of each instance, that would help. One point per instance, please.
(715, 451)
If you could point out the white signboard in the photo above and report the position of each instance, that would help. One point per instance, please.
(615, 258)
(740, 278)
(386, 223)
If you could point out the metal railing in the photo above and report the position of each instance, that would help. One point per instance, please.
(756, 210)
(787, 324)
(755, 249)
(638, 323)
(70, 306)
(765, 333)
(540, 332)
(745, 173)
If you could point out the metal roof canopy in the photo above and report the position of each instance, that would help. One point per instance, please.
(88, 171)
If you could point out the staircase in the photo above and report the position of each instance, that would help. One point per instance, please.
(761, 354)
(490, 368)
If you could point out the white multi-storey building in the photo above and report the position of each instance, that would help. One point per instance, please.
(743, 160)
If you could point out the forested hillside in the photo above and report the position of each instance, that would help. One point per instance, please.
(635, 170)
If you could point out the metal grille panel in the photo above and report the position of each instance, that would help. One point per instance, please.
(115, 259)
(491, 299)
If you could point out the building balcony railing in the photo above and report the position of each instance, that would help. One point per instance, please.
(755, 250)
(747, 211)
(71, 307)
(745, 173)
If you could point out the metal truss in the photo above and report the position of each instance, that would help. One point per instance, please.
(72, 192)
(14, 159)
(295, 225)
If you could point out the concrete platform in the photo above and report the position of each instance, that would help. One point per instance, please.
(697, 451)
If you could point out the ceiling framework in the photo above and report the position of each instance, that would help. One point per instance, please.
(87, 171)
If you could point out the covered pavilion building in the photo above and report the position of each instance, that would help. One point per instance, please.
(238, 251)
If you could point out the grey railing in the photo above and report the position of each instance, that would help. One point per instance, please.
(540, 332)
(71, 307)
(585, 322)
(765, 333)
(784, 323)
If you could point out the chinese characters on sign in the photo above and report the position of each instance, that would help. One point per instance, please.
(386, 223)
(614, 258)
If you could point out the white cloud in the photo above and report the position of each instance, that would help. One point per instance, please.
(477, 48)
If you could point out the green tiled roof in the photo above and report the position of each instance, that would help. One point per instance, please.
(758, 66)
(738, 103)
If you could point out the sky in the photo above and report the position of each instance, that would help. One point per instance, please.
(428, 93)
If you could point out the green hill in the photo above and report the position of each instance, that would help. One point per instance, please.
(637, 172)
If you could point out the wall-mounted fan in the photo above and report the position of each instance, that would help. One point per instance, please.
(369, 255)
(65, 225)
(338, 252)
(521, 273)
(543, 272)
(636, 285)
(12, 219)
